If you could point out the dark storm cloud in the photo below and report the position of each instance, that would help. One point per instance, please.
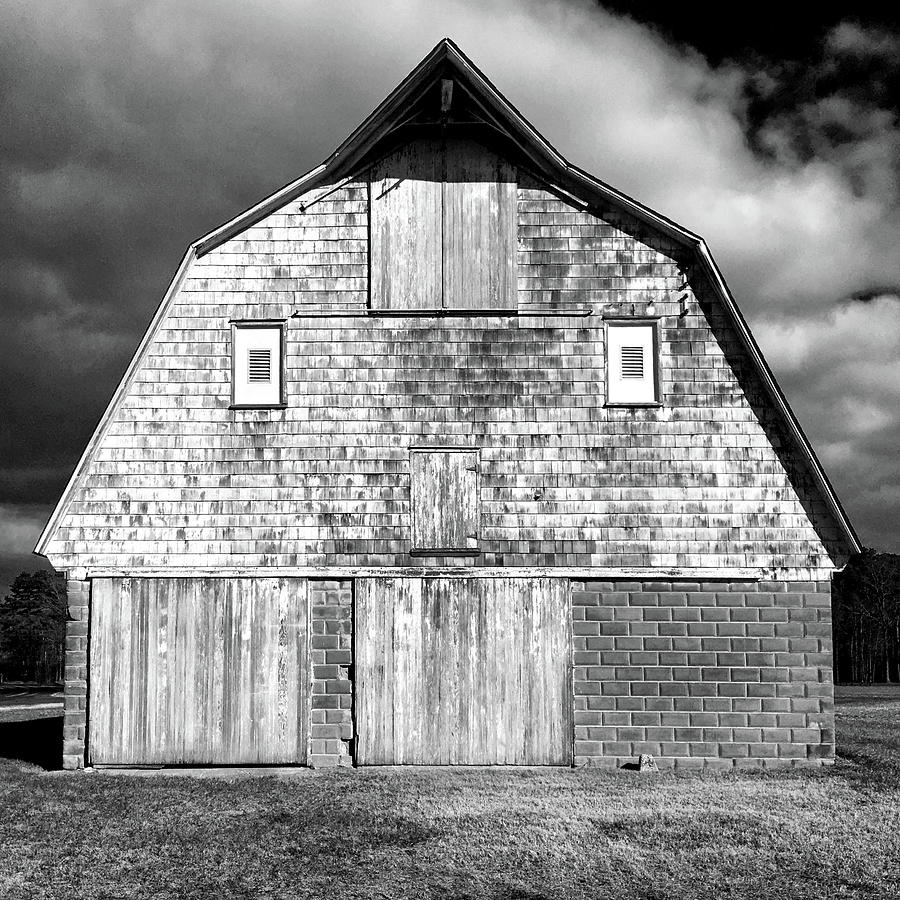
(132, 129)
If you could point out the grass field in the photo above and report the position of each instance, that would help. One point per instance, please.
(529, 834)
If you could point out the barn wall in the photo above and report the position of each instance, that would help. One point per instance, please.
(713, 675)
(698, 674)
(180, 479)
(331, 657)
(331, 649)
(76, 674)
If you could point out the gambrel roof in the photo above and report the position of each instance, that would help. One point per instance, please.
(447, 63)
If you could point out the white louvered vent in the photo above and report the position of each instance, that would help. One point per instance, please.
(259, 365)
(632, 362)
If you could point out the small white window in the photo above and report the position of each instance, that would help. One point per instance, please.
(256, 359)
(631, 363)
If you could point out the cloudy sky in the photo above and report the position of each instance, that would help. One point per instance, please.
(130, 129)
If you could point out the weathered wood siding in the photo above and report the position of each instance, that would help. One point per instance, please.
(709, 479)
(444, 499)
(405, 199)
(443, 228)
(479, 229)
(463, 671)
(202, 671)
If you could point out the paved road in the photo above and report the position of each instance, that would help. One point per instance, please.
(20, 704)
(866, 693)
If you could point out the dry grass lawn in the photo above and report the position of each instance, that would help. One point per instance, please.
(468, 834)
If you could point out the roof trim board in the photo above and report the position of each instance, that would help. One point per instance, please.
(534, 146)
(442, 571)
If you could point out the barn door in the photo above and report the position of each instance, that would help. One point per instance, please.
(444, 501)
(479, 228)
(198, 670)
(463, 671)
(443, 215)
(405, 228)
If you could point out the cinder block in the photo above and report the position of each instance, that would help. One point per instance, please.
(792, 751)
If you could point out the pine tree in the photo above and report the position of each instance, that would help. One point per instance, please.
(33, 627)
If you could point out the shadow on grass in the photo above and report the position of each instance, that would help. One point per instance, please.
(37, 741)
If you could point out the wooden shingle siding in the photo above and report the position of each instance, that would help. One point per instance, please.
(569, 258)
(314, 258)
(707, 480)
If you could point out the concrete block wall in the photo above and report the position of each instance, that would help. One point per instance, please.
(76, 674)
(718, 674)
(331, 651)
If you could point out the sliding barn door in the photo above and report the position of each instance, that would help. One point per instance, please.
(463, 671)
(198, 671)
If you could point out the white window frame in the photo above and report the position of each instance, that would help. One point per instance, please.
(652, 397)
(277, 398)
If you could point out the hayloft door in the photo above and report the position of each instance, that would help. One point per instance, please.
(444, 501)
(463, 671)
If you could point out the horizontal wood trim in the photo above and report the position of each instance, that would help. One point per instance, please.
(531, 312)
(460, 552)
(328, 572)
(444, 448)
(619, 319)
(258, 406)
(654, 405)
(441, 312)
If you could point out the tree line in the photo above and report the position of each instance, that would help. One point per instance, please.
(33, 628)
(866, 615)
(865, 604)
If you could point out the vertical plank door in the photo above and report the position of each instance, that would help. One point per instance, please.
(405, 228)
(198, 671)
(480, 217)
(463, 671)
(444, 499)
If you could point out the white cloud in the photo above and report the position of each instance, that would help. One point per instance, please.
(20, 527)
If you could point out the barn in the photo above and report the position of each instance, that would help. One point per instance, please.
(448, 453)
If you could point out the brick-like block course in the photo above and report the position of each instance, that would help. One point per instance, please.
(76, 674)
(715, 674)
(331, 649)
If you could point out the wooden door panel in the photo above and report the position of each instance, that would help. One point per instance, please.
(202, 671)
(443, 218)
(479, 230)
(405, 228)
(463, 671)
(444, 499)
